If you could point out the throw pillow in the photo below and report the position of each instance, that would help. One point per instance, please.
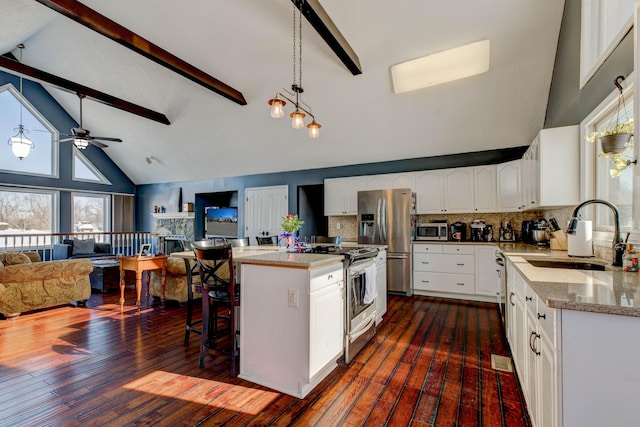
(33, 256)
(13, 258)
(81, 247)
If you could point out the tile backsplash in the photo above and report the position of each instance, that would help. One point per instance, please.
(347, 226)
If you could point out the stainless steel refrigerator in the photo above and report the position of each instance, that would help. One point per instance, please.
(385, 218)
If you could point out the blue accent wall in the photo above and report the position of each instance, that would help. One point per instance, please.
(61, 120)
(166, 195)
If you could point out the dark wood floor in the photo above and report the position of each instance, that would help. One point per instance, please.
(429, 365)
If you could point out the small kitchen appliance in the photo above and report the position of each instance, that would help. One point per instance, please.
(477, 230)
(526, 232)
(458, 231)
(506, 232)
(580, 238)
(539, 232)
(437, 230)
(488, 233)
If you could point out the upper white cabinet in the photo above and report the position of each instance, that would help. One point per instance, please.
(378, 182)
(341, 195)
(391, 180)
(509, 186)
(604, 25)
(551, 169)
(430, 192)
(458, 190)
(485, 190)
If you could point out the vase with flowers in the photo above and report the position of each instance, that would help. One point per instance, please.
(291, 224)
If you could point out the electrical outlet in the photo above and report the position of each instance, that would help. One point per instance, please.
(293, 298)
(338, 225)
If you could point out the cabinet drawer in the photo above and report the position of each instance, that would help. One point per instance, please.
(426, 248)
(458, 249)
(325, 277)
(443, 282)
(444, 263)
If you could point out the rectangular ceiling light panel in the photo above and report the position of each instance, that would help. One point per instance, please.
(446, 66)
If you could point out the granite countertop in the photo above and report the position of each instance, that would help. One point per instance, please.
(612, 291)
(453, 242)
(291, 259)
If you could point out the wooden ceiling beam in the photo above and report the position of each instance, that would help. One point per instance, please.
(40, 76)
(323, 24)
(101, 24)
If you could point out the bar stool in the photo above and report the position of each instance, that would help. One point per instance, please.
(239, 242)
(219, 293)
(193, 286)
(268, 240)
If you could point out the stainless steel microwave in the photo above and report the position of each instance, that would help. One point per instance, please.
(432, 231)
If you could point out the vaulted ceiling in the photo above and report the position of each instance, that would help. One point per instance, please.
(247, 44)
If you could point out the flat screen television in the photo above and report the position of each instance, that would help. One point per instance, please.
(221, 222)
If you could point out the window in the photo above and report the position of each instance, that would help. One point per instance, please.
(43, 158)
(84, 170)
(599, 182)
(26, 212)
(91, 212)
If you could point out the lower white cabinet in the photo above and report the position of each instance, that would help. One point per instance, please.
(456, 271)
(381, 285)
(533, 333)
(292, 325)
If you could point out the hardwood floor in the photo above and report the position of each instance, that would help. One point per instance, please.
(429, 365)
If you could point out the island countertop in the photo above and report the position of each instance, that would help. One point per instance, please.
(309, 261)
(612, 291)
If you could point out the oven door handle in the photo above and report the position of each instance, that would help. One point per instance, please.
(364, 328)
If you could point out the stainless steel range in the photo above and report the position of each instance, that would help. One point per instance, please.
(360, 276)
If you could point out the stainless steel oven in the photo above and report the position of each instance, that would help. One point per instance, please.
(361, 308)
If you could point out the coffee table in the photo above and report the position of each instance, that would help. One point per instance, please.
(105, 275)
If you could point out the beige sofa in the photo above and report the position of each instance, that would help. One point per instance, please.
(176, 286)
(27, 284)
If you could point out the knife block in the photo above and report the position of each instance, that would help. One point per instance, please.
(559, 241)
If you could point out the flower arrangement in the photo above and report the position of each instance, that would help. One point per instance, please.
(291, 223)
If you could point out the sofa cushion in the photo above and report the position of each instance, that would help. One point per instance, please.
(33, 256)
(14, 258)
(102, 248)
(81, 247)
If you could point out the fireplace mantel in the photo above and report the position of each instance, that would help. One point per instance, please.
(174, 215)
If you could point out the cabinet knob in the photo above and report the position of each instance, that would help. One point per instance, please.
(460, 284)
(460, 265)
(526, 298)
(542, 316)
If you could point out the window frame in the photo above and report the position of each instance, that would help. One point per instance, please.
(588, 156)
(55, 134)
(106, 215)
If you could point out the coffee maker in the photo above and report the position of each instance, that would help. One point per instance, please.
(477, 230)
(506, 232)
(488, 233)
(458, 231)
(527, 232)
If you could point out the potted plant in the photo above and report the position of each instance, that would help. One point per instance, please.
(617, 137)
(291, 224)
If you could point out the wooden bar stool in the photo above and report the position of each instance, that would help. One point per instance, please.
(193, 286)
(219, 294)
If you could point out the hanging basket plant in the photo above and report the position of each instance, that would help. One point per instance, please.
(616, 140)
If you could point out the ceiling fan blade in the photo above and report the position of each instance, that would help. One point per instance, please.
(66, 139)
(97, 144)
(104, 138)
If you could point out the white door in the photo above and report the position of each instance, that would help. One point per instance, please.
(264, 208)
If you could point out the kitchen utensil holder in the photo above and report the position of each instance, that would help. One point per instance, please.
(559, 241)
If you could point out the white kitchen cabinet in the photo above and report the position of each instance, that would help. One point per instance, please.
(430, 192)
(381, 285)
(459, 190)
(292, 325)
(509, 186)
(379, 182)
(550, 169)
(341, 195)
(485, 189)
(404, 180)
(486, 271)
(532, 331)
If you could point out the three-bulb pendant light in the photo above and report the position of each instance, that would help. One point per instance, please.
(278, 102)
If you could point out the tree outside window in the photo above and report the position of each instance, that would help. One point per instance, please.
(90, 212)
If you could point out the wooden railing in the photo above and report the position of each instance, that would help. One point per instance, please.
(122, 243)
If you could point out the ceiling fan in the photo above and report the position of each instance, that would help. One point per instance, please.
(82, 137)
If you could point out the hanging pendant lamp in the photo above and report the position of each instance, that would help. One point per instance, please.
(21, 145)
(302, 109)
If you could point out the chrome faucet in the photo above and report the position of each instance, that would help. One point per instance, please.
(616, 246)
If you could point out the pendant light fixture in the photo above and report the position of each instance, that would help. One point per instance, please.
(21, 145)
(295, 96)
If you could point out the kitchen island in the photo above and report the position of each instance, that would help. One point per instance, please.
(291, 319)
(572, 335)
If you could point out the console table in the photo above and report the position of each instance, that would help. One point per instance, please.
(139, 265)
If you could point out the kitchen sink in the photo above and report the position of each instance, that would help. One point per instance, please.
(572, 265)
